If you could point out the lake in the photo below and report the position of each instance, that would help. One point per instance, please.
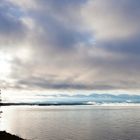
(85, 122)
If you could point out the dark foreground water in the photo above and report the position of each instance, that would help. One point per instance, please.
(72, 122)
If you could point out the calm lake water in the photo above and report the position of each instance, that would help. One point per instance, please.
(72, 122)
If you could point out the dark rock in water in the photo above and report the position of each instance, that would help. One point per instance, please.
(6, 136)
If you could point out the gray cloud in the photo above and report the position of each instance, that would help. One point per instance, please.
(11, 27)
(91, 45)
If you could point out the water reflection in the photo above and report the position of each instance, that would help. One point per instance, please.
(72, 122)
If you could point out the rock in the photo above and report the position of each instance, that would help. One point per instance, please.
(6, 136)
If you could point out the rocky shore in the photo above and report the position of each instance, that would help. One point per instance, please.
(6, 136)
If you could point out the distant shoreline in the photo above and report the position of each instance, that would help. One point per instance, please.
(68, 104)
(39, 104)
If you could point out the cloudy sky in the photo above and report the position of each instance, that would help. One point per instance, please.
(58, 45)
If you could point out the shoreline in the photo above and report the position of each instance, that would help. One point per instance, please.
(69, 104)
(41, 104)
(7, 136)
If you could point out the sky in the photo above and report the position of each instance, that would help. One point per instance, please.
(70, 45)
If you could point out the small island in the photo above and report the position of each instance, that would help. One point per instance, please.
(6, 136)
